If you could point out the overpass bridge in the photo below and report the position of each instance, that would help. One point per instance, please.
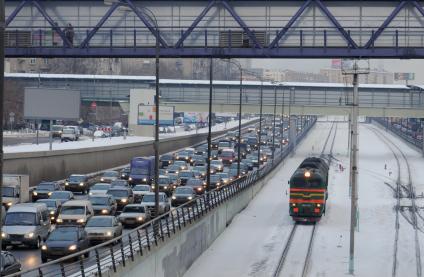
(215, 28)
(193, 95)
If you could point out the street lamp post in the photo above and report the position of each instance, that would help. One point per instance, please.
(208, 174)
(273, 129)
(260, 124)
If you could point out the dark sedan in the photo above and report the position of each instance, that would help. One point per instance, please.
(62, 196)
(182, 195)
(9, 264)
(197, 185)
(185, 175)
(166, 160)
(103, 204)
(44, 190)
(77, 183)
(215, 182)
(125, 173)
(64, 241)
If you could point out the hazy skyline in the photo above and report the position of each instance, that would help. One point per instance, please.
(314, 65)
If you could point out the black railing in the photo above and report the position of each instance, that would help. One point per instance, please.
(404, 133)
(116, 252)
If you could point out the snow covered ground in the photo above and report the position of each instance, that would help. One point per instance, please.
(99, 142)
(253, 243)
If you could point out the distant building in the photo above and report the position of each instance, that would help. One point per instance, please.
(375, 76)
(294, 76)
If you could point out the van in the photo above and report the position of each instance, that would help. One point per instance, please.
(75, 212)
(26, 224)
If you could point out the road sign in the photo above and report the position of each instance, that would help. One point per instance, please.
(402, 76)
(147, 115)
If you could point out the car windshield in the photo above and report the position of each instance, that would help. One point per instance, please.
(215, 162)
(215, 178)
(180, 163)
(61, 234)
(166, 158)
(133, 209)
(174, 167)
(223, 175)
(57, 128)
(224, 144)
(183, 191)
(60, 195)
(8, 192)
(100, 187)
(19, 218)
(163, 180)
(199, 168)
(118, 193)
(45, 186)
(99, 200)
(182, 153)
(76, 178)
(139, 171)
(186, 174)
(151, 198)
(49, 204)
(68, 131)
(194, 182)
(73, 210)
(227, 154)
(141, 188)
(110, 174)
(119, 183)
(100, 221)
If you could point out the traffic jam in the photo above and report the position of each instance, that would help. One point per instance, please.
(83, 211)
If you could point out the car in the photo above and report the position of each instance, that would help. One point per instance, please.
(227, 156)
(109, 176)
(62, 196)
(182, 195)
(173, 169)
(9, 264)
(182, 156)
(44, 190)
(166, 160)
(182, 164)
(218, 165)
(68, 134)
(26, 224)
(215, 182)
(122, 196)
(99, 189)
(226, 179)
(253, 159)
(214, 154)
(125, 173)
(120, 183)
(197, 160)
(198, 185)
(201, 171)
(53, 206)
(185, 175)
(134, 215)
(149, 202)
(175, 181)
(64, 241)
(103, 204)
(243, 168)
(224, 144)
(75, 212)
(139, 191)
(165, 184)
(57, 131)
(77, 183)
(233, 173)
(248, 163)
(201, 149)
(102, 228)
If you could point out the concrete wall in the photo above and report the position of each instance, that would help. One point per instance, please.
(175, 255)
(59, 164)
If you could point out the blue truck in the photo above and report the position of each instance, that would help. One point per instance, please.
(142, 170)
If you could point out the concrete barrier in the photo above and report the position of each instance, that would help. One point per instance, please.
(59, 164)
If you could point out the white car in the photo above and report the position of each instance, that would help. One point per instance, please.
(100, 189)
(68, 134)
(148, 201)
(134, 215)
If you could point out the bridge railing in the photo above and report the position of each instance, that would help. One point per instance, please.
(117, 252)
(414, 138)
(213, 37)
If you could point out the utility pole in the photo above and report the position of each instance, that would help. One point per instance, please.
(157, 124)
(273, 129)
(260, 126)
(2, 23)
(208, 174)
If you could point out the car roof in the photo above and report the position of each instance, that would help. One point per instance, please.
(152, 193)
(76, 202)
(27, 207)
(103, 216)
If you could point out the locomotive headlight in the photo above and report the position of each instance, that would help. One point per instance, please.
(307, 174)
(318, 205)
(293, 204)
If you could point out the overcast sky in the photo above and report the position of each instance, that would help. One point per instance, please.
(314, 65)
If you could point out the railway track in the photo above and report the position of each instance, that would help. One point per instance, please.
(400, 189)
(293, 235)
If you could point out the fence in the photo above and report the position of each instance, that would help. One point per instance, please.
(143, 239)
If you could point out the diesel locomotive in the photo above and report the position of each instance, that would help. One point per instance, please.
(308, 190)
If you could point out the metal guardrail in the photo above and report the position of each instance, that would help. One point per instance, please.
(143, 239)
(414, 141)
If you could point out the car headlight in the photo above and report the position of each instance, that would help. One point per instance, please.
(59, 220)
(81, 184)
(144, 179)
(173, 197)
(231, 161)
(109, 233)
(90, 193)
(129, 179)
(51, 212)
(9, 204)
(199, 189)
(122, 175)
(52, 218)
(104, 211)
(293, 204)
(29, 235)
(44, 247)
(124, 200)
(34, 193)
(4, 235)
(49, 193)
(66, 184)
(178, 157)
(165, 187)
(176, 172)
(318, 205)
(153, 187)
(102, 179)
(218, 183)
(81, 220)
(190, 197)
(140, 218)
(73, 247)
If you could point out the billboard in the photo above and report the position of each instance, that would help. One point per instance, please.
(52, 104)
(147, 115)
(195, 117)
(399, 76)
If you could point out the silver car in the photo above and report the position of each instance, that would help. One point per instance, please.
(134, 215)
(102, 228)
(109, 176)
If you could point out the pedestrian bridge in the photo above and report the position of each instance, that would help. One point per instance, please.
(193, 95)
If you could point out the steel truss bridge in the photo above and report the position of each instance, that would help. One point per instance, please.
(215, 28)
